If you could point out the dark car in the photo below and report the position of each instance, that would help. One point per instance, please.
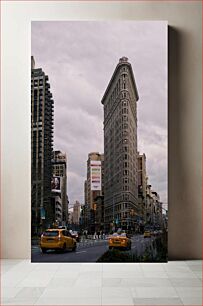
(75, 235)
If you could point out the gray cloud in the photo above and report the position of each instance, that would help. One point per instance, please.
(79, 58)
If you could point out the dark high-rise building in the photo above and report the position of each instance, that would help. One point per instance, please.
(59, 171)
(42, 110)
(120, 149)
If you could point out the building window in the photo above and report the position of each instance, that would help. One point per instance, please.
(125, 172)
(125, 164)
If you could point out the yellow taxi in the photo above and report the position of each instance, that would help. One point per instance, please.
(121, 241)
(57, 239)
(147, 233)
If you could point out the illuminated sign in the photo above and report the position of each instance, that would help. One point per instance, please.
(95, 172)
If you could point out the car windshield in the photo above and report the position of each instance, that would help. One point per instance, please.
(51, 233)
(115, 234)
(123, 235)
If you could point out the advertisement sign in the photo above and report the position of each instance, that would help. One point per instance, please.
(56, 183)
(95, 172)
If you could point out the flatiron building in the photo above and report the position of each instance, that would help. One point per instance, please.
(120, 149)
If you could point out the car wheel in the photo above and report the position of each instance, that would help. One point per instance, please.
(44, 250)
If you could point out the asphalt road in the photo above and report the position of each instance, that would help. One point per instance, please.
(82, 254)
(87, 251)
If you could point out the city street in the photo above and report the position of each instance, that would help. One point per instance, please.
(88, 251)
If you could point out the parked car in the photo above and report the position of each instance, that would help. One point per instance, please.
(155, 233)
(121, 241)
(57, 239)
(147, 233)
(75, 235)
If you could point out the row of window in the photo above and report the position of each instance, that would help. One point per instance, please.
(116, 208)
(119, 135)
(118, 182)
(119, 198)
(109, 173)
(112, 107)
(58, 167)
(113, 180)
(121, 84)
(120, 154)
(117, 111)
(119, 124)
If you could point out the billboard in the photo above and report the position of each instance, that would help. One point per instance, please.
(56, 183)
(61, 157)
(95, 172)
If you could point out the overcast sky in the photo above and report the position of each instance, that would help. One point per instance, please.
(80, 58)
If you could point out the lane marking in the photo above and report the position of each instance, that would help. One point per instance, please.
(81, 252)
